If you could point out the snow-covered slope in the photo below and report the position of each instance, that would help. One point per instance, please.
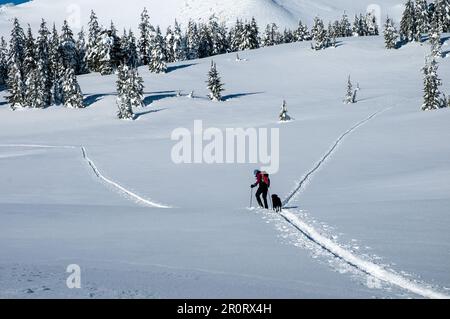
(126, 13)
(80, 186)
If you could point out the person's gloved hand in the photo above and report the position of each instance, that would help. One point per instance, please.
(252, 186)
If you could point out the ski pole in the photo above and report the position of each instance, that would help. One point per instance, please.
(251, 198)
(270, 195)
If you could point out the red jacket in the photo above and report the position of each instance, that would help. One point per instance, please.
(262, 177)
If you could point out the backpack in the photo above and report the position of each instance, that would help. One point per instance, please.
(265, 178)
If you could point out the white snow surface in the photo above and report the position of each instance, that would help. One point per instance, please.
(367, 184)
(286, 13)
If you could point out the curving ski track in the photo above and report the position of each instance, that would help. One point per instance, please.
(117, 186)
(128, 193)
(367, 267)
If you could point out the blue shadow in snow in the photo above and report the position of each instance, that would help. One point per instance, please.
(93, 98)
(138, 115)
(153, 98)
(179, 67)
(238, 95)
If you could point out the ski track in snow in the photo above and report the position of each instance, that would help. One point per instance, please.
(122, 189)
(118, 187)
(369, 268)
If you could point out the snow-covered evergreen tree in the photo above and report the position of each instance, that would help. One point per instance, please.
(81, 57)
(3, 62)
(321, 39)
(129, 49)
(68, 47)
(158, 59)
(16, 87)
(236, 36)
(284, 117)
(169, 45)
(271, 35)
(215, 85)
(422, 19)
(249, 37)
(435, 39)
(179, 43)
(218, 35)
(72, 96)
(107, 52)
(350, 96)
(390, 34)
(17, 45)
(125, 109)
(145, 39)
(431, 96)
(302, 33)
(34, 97)
(372, 24)
(206, 44)
(94, 33)
(44, 62)
(442, 14)
(408, 25)
(346, 27)
(136, 88)
(332, 34)
(288, 36)
(58, 73)
(192, 40)
(29, 63)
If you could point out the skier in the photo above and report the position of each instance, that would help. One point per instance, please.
(263, 181)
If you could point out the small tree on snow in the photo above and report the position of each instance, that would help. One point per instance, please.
(390, 34)
(124, 94)
(158, 58)
(16, 87)
(431, 96)
(71, 90)
(350, 97)
(284, 117)
(215, 85)
(435, 40)
(136, 89)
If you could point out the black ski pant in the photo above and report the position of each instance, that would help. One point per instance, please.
(262, 190)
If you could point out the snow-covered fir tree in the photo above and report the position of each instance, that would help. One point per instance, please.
(34, 97)
(271, 35)
(44, 62)
(205, 48)
(215, 85)
(94, 33)
(56, 68)
(68, 47)
(346, 27)
(408, 25)
(192, 41)
(158, 60)
(81, 51)
(288, 36)
(332, 34)
(145, 38)
(179, 43)
(422, 19)
(3, 61)
(236, 35)
(72, 96)
(29, 63)
(390, 34)
(249, 37)
(218, 35)
(431, 81)
(442, 14)
(129, 49)
(125, 109)
(435, 40)
(302, 33)
(136, 88)
(107, 52)
(16, 87)
(17, 42)
(372, 24)
(284, 117)
(350, 96)
(321, 39)
(169, 45)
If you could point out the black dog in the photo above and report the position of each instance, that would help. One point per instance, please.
(276, 203)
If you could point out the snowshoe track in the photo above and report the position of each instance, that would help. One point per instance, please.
(365, 266)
